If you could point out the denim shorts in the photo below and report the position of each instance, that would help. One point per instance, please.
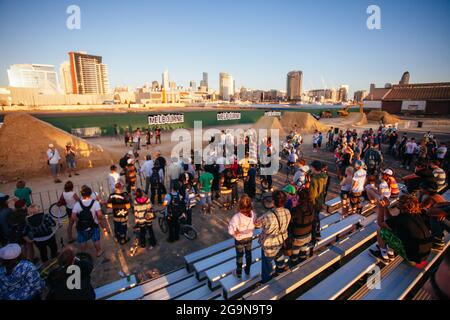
(71, 163)
(91, 234)
(205, 197)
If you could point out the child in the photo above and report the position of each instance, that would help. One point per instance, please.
(346, 186)
(241, 228)
(23, 193)
(143, 217)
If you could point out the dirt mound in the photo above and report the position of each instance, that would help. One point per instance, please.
(270, 123)
(24, 141)
(377, 115)
(362, 119)
(304, 121)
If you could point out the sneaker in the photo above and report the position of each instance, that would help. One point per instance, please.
(237, 274)
(247, 271)
(438, 244)
(318, 236)
(378, 254)
(390, 253)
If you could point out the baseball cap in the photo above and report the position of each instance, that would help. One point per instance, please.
(389, 172)
(51, 145)
(10, 251)
(3, 197)
(289, 189)
(305, 168)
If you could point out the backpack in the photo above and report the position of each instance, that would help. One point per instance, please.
(176, 206)
(154, 178)
(41, 230)
(85, 219)
(123, 162)
(372, 162)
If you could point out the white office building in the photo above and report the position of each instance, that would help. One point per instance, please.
(38, 76)
(226, 84)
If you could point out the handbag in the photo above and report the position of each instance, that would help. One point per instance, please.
(287, 243)
(61, 202)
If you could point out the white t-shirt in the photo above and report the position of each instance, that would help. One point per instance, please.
(384, 189)
(53, 156)
(113, 178)
(359, 179)
(70, 200)
(315, 138)
(95, 207)
(292, 158)
(441, 152)
(147, 168)
(410, 147)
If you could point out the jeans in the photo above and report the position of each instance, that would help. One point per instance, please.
(407, 159)
(54, 168)
(155, 189)
(234, 193)
(42, 246)
(147, 185)
(244, 245)
(437, 228)
(316, 225)
(267, 267)
(120, 231)
(143, 230)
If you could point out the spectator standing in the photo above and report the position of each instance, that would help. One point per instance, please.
(53, 160)
(205, 181)
(120, 203)
(359, 180)
(39, 228)
(19, 278)
(157, 135)
(156, 185)
(70, 160)
(410, 149)
(130, 176)
(318, 190)
(113, 178)
(87, 216)
(68, 199)
(174, 171)
(241, 228)
(5, 212)
(147, 170)
(346, 186)
(23, 192)
(175, 208)
(143, 218)
(274, 233)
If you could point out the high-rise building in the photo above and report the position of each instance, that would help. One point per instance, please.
(193, 86)
(360, 95)
(294, 85)
(165, 80)
(89, 74)
(66, 77)
(39, 76)
(226, 85)
(155, 85)
(204, 82)
(405, 78)
(172, 85)
(343, 93)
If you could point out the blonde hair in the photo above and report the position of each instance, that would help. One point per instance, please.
(349, 170)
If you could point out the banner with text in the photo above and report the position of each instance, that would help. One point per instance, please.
(223, 116)
(414, 105)
(169, 118)
(272, 113)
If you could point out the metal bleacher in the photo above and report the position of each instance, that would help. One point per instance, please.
(338, 261)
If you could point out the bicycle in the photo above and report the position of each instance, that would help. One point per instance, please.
(56, 212)
(186, 230)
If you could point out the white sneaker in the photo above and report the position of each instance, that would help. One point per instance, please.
(384, 254)
(390, 253)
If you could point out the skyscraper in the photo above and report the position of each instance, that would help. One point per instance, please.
(294, 85)
(39, 76)
(89, 74)
(193, 86)
(226, 85)
(165, 80)
(204, 82)
(66, 77)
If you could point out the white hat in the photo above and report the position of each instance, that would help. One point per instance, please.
(10, 251)
(129, 161)
(389, 172)
(305, 168)
(131, 153)
(51, 145)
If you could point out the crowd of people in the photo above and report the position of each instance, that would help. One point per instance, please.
(289, 231)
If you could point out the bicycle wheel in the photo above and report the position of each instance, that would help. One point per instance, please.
(188, 232)
(267, 202)
(57, 212)
(163, 224)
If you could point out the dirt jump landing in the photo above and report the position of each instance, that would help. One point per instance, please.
(270, 123)
(305, 122)
(378, 115)
(24, 142)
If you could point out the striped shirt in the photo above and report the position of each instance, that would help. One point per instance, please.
(141, 207)
(120, 204)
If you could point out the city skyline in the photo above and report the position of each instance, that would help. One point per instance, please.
(261, 46)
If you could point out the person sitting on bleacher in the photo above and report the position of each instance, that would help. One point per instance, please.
(431, 200)
(300, 228)
(407, 234)
(388, 176)
(346, 185)
(274, 225)
(241, 228)
(438, 286)
(439, 176)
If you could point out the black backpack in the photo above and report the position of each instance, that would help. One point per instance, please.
(85, 218)
(176, 206)
(154, 178)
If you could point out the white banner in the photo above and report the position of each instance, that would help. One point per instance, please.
(272, 114)
(372, 105)
(171, 118)
(414, 105)
(223, 116)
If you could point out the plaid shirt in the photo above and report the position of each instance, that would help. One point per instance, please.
(273, 234)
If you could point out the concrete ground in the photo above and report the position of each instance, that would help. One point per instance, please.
(165, 257)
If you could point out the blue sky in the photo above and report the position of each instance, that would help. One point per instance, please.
(257, 42)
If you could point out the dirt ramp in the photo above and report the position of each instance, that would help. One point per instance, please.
(361, 120)
(304, 121)
(270, 123)
(378, 115)
(24, 141)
